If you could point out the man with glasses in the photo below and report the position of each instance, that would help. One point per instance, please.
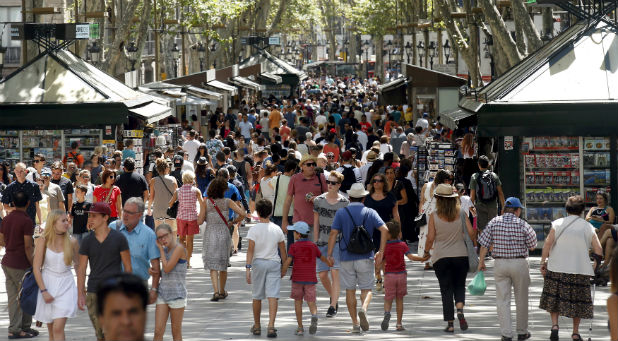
(304, 187)
(64, 183)
(38, 163)
(55, 198)
(31, 189)
(107, 252)
(142, 244)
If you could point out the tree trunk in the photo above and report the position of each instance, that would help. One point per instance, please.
(500, 32)
(523, 19)
(548, 22)
(116, 52)
(520, 40)
(353, 47)
(277, 19)
(142, 33)
(378, 42)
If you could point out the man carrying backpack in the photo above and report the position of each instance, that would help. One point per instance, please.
(485, 189)
(351, 174)
(356, 224)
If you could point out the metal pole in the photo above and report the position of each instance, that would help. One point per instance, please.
(24, 43)
(156, 29)
(182, 34)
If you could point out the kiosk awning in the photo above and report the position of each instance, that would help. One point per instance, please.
(245, 83)
(452, 118)
(270, 78)
(222, 86)
(393, 92)
(61, 115)
(151, 112)
(203, 93)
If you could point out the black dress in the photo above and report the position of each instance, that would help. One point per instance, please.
(409, 211)
(384, 208)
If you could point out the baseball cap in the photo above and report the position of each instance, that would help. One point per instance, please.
(101, 208)
(347, 155)
(425, 114)
(46, 171)
(513, 203)
(300, 227)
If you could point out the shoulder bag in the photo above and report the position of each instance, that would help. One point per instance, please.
(172, 212)
(276, 193)
(219, 211)
(473, 258)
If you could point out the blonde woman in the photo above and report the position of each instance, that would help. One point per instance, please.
(55, 252)
(186, 219)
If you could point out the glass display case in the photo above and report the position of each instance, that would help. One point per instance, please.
(10, 147)
(46, 142)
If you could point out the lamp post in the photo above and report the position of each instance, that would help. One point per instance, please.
(408, 49)
(366, 49)
(201, 53)
(432, 53)
(2, 53)
(389, 48)
(213, 49)
(489, 44)
(421, 52)
(447, 50)
(95, 53)
(132, 53)
(175, 55)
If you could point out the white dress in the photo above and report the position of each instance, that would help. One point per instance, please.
(60, 284)
(428, 208)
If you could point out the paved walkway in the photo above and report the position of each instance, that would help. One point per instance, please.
(231, 319)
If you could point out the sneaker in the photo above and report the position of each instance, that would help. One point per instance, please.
(314, 325)
(387, 317)
(362, 316)
(356, 329)
(331, 312)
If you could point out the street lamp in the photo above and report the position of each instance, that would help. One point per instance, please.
(432, 53)
(2, 53)
(175, 55)
(408, 49)
(447, 50)
(132, 53)
(201, 53)
(213, 49)
(95, 53)
(421, 51)
(489, 45)
(366, 48)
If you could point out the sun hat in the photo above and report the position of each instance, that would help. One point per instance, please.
(46, 171)
(307, 157)
(513, 202)
(202, 161)
(445, 191)
(357, 191)
(300, 227)
(101, 208)
(372, 156)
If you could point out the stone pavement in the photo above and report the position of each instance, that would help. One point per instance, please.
(232, 318)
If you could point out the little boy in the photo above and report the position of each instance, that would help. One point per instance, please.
(395, 276)
(304, 253)
(79, 214)
(264, 265)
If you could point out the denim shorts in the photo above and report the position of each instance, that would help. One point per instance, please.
(357, 273)
(173, 304)
(321, 266)
(265, 279)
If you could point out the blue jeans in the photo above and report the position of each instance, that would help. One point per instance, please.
(80, 236)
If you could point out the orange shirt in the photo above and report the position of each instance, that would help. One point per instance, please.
(335, 150)
(285, 132)
(274, 119)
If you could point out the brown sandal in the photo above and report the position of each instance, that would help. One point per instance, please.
(256, 330)
(223, 296)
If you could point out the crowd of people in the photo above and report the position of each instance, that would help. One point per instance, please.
(328, 183)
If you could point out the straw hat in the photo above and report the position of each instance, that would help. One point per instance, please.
(307, 157)
(357, 191)
(372, 156)
(445, 191)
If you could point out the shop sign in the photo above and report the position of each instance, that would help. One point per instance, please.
(108, 133)
(508, 143)
(82, 31)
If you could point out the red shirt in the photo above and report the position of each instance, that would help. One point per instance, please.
(14, 227)
(285, 132)
(101, 193)
(304, 253)
(299, 187)
(393, 255)
(365, 126)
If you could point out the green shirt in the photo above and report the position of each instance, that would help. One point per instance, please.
(474, 183)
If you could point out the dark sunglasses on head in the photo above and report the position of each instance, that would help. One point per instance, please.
(310, 164)
(328, 182)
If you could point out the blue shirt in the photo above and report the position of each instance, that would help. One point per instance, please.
(368, 217)
(142, 245)
(128, 153)
(232, 193)
(252, 119)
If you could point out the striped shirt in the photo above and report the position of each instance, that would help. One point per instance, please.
(187, 203)
(510, 237)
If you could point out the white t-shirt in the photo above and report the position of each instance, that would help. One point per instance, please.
(187, 165)
(423, 123)
(245, 129)
(321, 119)
(265, 124)
(570, 251)
(466, 203)
(191, 146)
(362, 138)
(267, 237)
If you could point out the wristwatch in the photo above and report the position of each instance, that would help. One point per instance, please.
(248, 266)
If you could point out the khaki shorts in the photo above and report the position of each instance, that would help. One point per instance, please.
(91, 303)
(357, 273)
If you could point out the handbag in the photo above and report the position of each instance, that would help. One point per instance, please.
(172, 212)
(28, 293)
(219, 211)
(473, 258)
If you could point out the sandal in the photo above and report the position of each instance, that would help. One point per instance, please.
(576, 337)
(399, 327)
(554, 333)
(299, 331)
(255, 330)
(449, 329)
(223, 296)
(215, 297)
(272, 332)
(21, 335)
(463, 324)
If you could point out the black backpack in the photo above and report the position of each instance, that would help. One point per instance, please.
(487, 187)
(349, 178)
(360, 241)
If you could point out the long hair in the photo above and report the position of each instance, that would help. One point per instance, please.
(385, 188)
(49, 234)
(448, 208)
(467, 142)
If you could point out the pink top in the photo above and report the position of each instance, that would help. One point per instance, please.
(187, 203)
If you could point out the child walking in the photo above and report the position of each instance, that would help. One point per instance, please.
(304, 253)
(79, 214)
(395, 275)
(264, 266)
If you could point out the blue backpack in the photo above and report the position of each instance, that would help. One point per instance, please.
(28, 293)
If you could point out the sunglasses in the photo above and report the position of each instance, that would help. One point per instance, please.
(377, 180)
(310, 164)
(163, 236)
(111, 176)
(37, 161)
(328, 182)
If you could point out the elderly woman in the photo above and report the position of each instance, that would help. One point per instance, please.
(565, 264)
(450, 257)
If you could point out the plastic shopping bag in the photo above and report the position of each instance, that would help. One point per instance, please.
(477, 286)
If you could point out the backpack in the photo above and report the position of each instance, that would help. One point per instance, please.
(28, 293)
(487, 187)
(360, 241)
(349, 178)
